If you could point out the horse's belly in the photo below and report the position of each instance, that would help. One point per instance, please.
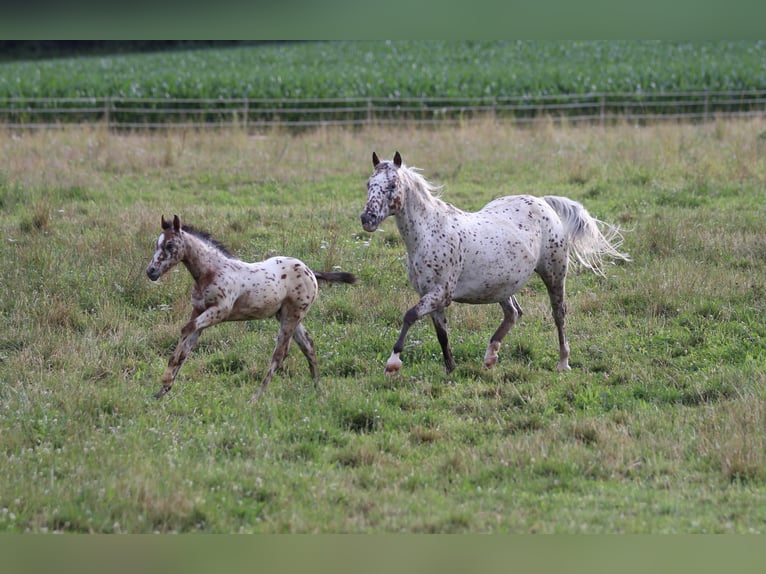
(490, 286)
(496, 266)
(249, 307)
(257, 300)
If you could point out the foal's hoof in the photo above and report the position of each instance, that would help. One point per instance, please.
(562, 367)
(161, 393)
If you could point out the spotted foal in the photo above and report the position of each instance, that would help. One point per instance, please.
(227, 289)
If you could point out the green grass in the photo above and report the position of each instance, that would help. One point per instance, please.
(657, 428)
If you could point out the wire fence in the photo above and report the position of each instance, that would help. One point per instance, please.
(120, 113)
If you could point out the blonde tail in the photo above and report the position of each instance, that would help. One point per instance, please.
(591, 241)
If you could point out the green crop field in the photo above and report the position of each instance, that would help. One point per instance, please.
(659, 427)
(397, 69)
(408, 79)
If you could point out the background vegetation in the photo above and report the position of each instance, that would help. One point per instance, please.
(395, 70)
(658, 427)
(314, 83)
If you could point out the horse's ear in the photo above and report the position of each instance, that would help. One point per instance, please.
(165, 223)
(397, 160)
(176, 224)
(375, 159)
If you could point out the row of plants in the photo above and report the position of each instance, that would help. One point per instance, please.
(397, 71)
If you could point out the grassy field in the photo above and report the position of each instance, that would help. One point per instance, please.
(659, 427)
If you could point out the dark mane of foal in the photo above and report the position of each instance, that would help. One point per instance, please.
(209, 239)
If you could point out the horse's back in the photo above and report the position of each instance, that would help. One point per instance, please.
(504, 243)
(275, 283)
(292, 272)
(515, 206)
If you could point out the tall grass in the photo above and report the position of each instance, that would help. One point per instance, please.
(658, 427)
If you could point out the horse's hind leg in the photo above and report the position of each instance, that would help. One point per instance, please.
(306, 345)
(439, 319)
(556, 293)
(511, 313)
(286, 329)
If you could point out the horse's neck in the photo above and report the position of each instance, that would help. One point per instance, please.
(421, 212)
(201, 259)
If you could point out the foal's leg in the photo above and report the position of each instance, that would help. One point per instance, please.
(556, 294)
(183, 348)
(511, 313)
(306, 344)
(439, 318)
(287, 327)
(189, 336)
(429, 303)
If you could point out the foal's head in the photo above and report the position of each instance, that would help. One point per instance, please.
(384, 194)
(170, 249)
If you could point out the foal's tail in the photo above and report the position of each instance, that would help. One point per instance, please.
(590, 239)
(335, 277)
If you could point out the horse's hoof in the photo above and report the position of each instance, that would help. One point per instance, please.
(161, 393)
(393, 368)
(393, 365)
(562, 367)
(490, 357)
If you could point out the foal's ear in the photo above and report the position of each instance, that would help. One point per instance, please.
(165, 223)
(375, 159)
(397, 160)
(176, 224)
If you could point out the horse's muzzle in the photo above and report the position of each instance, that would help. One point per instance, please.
(152, 273)
(369, 222)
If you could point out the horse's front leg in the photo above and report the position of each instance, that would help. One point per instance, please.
(429, 303)
(183, 348)
(189, 336)
(439, 319)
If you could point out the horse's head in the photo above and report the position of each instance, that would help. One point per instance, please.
(384, 194)
(170, 249)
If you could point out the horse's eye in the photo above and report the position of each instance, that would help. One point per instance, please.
(169, 246)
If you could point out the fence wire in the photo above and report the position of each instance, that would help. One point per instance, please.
(254, 113)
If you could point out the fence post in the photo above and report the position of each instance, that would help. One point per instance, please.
(369, 111)
(106, 112)
(246, 113)
(602, 113)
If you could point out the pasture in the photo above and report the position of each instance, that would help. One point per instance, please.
(659, 426)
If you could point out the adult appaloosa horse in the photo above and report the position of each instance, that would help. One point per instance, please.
(484, 256)
(227, 289)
